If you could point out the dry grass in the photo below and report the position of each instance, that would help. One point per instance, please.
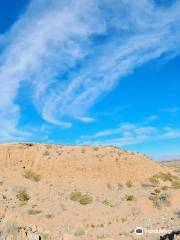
(23, 196)
(31, 176)
(34, 212)
(108, 202)
(129, 197)
(176, 184)
(129, 184)
(160, 200)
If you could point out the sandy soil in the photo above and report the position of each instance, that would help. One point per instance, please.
(88, 193)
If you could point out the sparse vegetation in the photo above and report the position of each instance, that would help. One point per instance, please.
(29, 174)
(160, 200)
(164, 188)
(157, 191)
(129, 197)
(165, 177)
(176, 184)
(79, 232)
(75, 196)
(23, 196)
(34, 212)
(83, 199)
(129, 184)
(108, 202)
(154, 180)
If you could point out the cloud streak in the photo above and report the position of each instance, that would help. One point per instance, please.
(68, 59)
(129, 134)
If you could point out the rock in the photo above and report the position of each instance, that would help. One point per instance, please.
(33, 236)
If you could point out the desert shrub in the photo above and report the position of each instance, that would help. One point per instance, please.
(165, 176)
(85, 199)
(92, 225)
(160, 200)
(32, 176)
(49, 215)
(164, 188)
(157, 190)
(129, 197)
(81, 198)
(129, 184)
(34, 212)
(108, 202)
(75, 196)
(176, 184)
(23, 196)
(79, 232)
(154, 180)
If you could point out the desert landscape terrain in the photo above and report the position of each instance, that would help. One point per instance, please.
(87, 193)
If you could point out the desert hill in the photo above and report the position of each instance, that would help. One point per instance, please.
(77, 162)
(59, 192)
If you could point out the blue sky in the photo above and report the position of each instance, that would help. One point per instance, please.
(91, 72)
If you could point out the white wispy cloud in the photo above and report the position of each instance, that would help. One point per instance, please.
(54, 49)
(129, 134)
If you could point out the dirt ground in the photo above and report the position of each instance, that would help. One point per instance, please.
(86, 193)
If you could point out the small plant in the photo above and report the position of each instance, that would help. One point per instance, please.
(176, 184)
(23, 196)
(154, 180)
(129, 197)
(166, 177)
(164, 188)
(32, 176)
(92, 225)
(160, 200)
(49, 215)
(129, 184)
(85, 199)
(157, 191)
(108, 202)
(79, 232)
(34, 212)
(75, 196)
